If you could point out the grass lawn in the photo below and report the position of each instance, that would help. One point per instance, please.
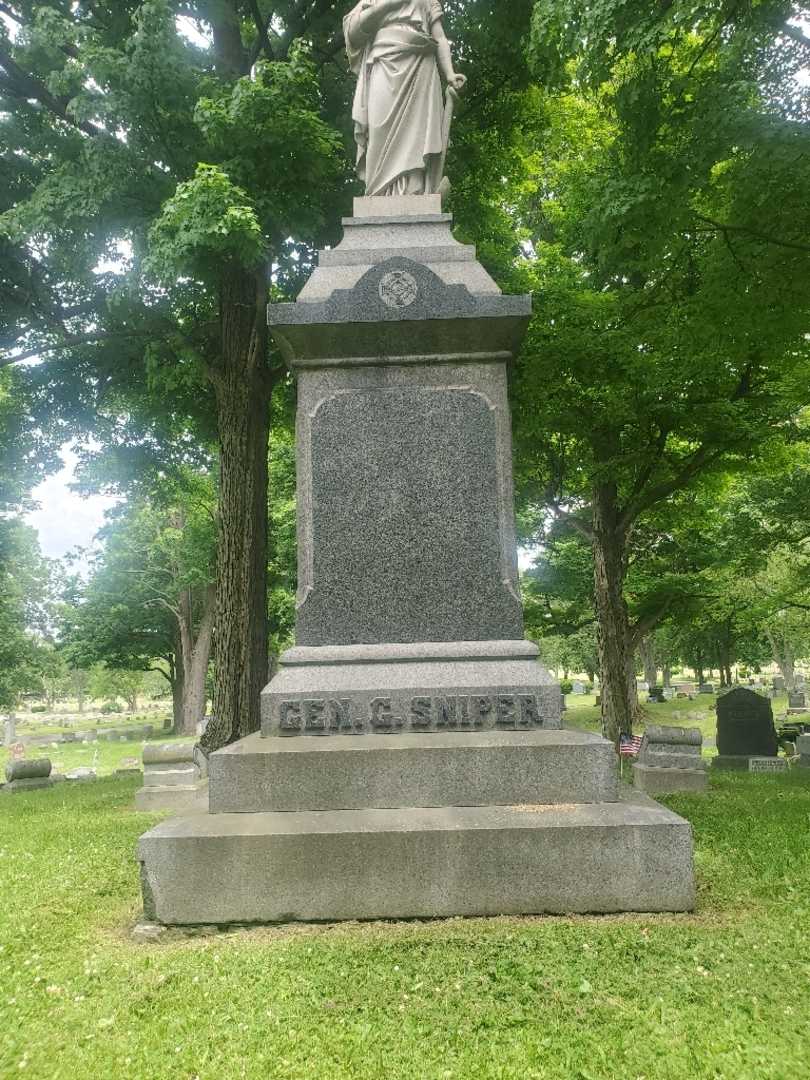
(699, 712)
(723, 993)
(104, 757)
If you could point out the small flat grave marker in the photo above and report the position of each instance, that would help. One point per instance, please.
(767, 764)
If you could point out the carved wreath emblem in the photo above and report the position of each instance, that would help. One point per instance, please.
(398, 289)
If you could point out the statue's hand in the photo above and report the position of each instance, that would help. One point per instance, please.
(458, 82)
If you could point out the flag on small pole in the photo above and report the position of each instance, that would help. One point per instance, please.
(629, 746)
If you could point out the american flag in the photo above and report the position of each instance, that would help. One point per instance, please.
(629, 745)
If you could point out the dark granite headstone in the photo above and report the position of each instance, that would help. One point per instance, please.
(745, 728)
(797, 699)
(656, 694)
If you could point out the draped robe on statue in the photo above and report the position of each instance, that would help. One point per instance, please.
(397, 110)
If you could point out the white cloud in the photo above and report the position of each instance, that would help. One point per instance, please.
(65, 519)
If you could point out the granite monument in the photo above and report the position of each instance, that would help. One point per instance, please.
(745, 729)
(411, 760)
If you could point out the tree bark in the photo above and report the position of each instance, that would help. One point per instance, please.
(619, 700)
(699, 668)
(243, 387)
(196, 654)
(784, 658)
(666, 675)
(176, 682)
(646, 648)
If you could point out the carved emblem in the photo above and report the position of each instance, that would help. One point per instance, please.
(398, 289)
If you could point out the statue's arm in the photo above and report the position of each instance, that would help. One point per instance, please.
(445, 57)
(364, 20)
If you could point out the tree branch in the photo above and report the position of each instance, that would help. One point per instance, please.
(719, 226)
(22, 85)
(72, 343)
(795, 34)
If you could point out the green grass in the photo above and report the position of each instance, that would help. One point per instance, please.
(699, 713)
(721, 994)
(104, 757)
(54, 724)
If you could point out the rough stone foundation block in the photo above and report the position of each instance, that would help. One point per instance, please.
(429, 769)
(18, 786)
(170, 775)
(661, 759)
(181, 799)
(657, 781)
(631, 855)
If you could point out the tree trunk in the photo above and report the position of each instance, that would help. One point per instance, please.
(784, 658)
(196, 654)
(619, 701)
(176, 680)
(646, 648)
(666, 675)
(132, 701)
(243, 387)
(699, 668)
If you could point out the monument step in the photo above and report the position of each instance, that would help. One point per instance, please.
(630, 855)
(453, 768)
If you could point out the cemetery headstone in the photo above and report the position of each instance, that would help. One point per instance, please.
(803, 750)
(81, 774)
(745, 729)
(642, 684)
(577, 687)
(706, 688)
(778, 683)
(27, 774)
(9, 730)
(656, 694)
(668, 693)
(171, 779)
(670, 759)
(411, 760)
(797, 703)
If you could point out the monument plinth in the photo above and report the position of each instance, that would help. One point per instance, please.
(412, 760)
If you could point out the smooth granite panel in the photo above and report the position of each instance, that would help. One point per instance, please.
(405, 520)
(408, 472)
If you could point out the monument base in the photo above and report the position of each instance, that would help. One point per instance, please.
(659, 781)
(180, 798)
(429, 686)
(418, 862)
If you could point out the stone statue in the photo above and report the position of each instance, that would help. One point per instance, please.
(397, 49)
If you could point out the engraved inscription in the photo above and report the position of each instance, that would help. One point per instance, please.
(381, 716)
(386, 715)
(398, 289)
